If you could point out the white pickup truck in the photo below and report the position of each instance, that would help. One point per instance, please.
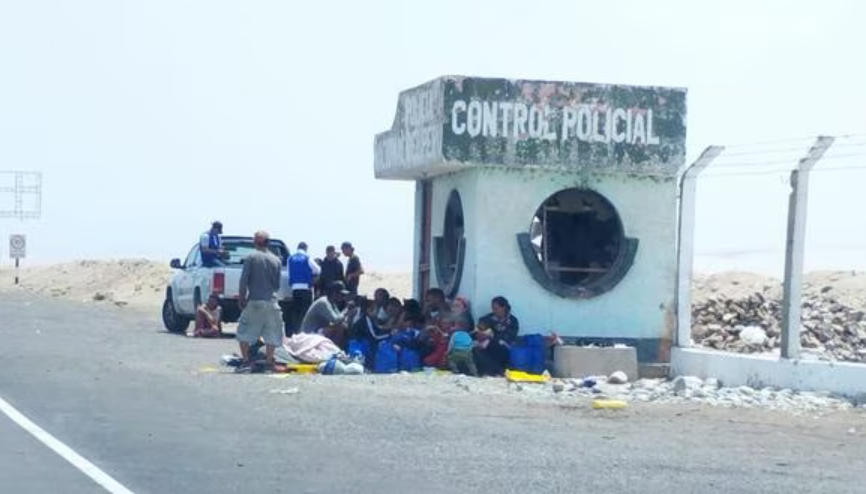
(192, 283)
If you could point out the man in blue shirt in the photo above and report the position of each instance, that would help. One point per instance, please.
(211, 246)
(302, 273)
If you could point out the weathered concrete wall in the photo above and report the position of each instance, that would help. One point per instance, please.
(758, 371)
(466, 184)
(570, 125)
(638, 307)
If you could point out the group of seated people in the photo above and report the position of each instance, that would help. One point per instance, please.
(394, 334)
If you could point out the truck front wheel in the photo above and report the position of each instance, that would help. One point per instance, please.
(174, 322)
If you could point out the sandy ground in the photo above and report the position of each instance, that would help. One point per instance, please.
(137, 282)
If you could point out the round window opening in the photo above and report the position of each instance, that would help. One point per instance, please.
(450, 247)
(576, 245)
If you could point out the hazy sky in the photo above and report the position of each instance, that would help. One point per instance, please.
(149, 119)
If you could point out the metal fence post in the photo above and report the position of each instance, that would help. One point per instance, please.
(795, 248)
(686, 243)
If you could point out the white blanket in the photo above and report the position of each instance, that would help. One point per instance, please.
(310, 348)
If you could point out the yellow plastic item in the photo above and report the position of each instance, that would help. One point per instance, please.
(524, 377)
(302, 368)
(609, 404)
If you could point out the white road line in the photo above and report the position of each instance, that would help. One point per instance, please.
(64, 451)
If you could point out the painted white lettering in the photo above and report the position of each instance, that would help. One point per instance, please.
(489, 129)
(608, 123)
(569, 119)
(628, 125)
(521, 114)
(584, 122)
(548, 134)
(535, 123)
(597, 127)
(457, 127)
(473, 118)
(506, 117)
(650, 138)
(639, 131)
(617, 135)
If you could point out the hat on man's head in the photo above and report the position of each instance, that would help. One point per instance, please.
(336, 287)
(217, 225)
(346, 245)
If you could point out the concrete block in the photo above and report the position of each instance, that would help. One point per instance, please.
(576, 361)
(654, 371)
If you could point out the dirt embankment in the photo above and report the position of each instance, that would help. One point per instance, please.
(142, 282)
(846, 287)
(136, 282)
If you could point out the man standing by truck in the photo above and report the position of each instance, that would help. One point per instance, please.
(302, 272)
(261, 316)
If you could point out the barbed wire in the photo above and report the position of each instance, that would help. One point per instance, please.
(817, 170)
(792, 162)
(791, 139)
(799, 149)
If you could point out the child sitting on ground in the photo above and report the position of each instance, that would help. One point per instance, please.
(366, 334)
(407, 342)
(437, 339)
(460, 350)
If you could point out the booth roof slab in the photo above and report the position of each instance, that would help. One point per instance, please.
(456, 122)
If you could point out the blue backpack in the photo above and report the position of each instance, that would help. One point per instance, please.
(386, 358)
(410, 360)
(527, 354)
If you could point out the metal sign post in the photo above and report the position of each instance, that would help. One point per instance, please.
(17, 251)
(21, 198)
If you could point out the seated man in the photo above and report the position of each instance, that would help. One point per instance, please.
(323, 316)
(208, 319)
(210, 243)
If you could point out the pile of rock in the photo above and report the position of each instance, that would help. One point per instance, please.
(690, 389)
(752, 324)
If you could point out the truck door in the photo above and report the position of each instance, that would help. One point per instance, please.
(187, 282)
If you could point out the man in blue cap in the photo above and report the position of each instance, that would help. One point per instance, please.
(212, 251)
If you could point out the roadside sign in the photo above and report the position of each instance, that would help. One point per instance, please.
(17, 246)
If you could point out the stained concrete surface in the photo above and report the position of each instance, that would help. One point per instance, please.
(143, 406)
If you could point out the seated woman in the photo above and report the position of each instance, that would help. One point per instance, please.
(394, 311)
(460, 312)
(208, 319)
(497, 332)
(381, 297)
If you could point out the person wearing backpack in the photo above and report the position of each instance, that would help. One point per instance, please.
(459, 354)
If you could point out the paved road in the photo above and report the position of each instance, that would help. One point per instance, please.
(138, 403)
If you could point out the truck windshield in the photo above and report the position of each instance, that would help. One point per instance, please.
(238, 250)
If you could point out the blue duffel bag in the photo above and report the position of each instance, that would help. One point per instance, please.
(410, 360)
(527, 354)
(359, 348)
(386, 358)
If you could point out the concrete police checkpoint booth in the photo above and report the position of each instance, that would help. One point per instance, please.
(560, 196)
